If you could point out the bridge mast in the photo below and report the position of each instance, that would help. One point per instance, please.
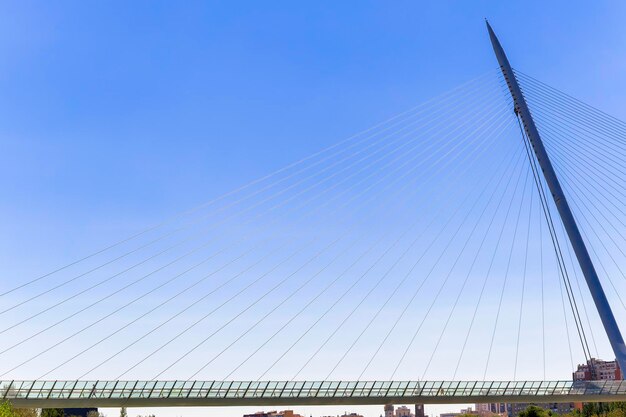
(584, 260)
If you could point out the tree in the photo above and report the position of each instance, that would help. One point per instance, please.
(7, 410)
(534, 411)
(26, 412)
(615, 409)
(52, 412)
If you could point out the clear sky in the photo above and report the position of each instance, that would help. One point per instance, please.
(116, 115)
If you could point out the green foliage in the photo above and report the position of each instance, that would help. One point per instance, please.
(7, 410)
(616, 409)
(26, 412)
(608, 409)
(534, 411)
(52, 412)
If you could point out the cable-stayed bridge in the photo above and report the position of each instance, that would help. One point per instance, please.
(76, 394)
(344, 278)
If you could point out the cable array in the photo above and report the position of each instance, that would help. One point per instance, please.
(414, 249)
(586, 146)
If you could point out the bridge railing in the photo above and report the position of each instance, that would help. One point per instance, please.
(50, 390)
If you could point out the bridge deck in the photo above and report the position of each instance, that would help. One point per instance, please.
(50, 394)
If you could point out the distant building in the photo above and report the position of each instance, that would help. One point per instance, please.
(593, 370)
(489, 409)
(346, 414)
(449, 414)
(404, 411)
(419, 410)
(284, 413)
(596, 370)
(463, 411)
(557, 408)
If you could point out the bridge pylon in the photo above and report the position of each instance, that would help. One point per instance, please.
(582, 255)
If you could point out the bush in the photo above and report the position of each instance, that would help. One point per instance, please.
(7, 410)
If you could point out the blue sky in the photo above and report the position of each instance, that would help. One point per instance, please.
(116, 115)
(148, 108)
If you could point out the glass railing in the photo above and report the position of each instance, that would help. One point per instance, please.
(40, 390)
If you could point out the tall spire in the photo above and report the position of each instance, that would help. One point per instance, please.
(573, 233)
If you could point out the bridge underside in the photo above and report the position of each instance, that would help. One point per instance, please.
(74, 394)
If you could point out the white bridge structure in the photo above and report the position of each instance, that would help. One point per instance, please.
(45, 393)
(75, 394)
